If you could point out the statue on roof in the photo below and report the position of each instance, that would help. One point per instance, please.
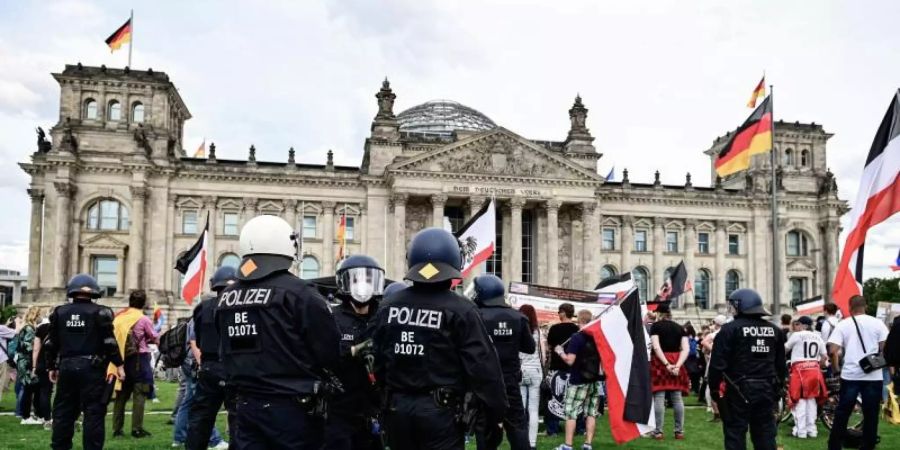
(43, 145)
(385, 98)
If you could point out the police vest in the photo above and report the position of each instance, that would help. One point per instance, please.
(504, 326)
(206, 331)
(753, 348)
(79, 328)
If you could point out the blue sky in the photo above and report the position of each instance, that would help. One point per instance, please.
(662, 79)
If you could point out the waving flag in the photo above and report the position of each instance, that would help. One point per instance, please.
(615, 288)
(342, 235)
(896, 265)
(753, 137)
(810, 306)
(676, 285)
(611, 174)
(193, 266)
(878, 199)
(121, 36)
(477, 237)
(621, 340)
(758, 93)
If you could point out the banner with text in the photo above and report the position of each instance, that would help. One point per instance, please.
(546, 300)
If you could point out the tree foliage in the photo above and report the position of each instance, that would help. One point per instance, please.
(881, 290)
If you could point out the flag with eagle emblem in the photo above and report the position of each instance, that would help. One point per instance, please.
(477, 237)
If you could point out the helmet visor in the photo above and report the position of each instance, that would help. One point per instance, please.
(362, 283)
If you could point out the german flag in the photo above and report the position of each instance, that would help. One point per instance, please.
(342, 236)
(758, 93)
(119, 37)
(753, 137)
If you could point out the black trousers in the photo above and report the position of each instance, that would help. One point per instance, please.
(271, 423)
(79, 390)
(208, 399)
(348, 430)
(416, 421)
(489, 436)
(757, 413)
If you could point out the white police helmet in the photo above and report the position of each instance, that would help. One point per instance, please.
(267, 235)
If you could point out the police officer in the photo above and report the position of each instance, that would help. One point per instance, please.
(211, 393)
(351, 422)
(748, 357)
(511, 333)
(431, 347)
(278, 343)
(80, 346)
(393, 288)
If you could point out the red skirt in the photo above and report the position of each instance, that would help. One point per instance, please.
(663, 380)
(807, 382)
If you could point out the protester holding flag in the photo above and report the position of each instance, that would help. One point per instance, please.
(134, 333)
(669, 378)
(584, 390)
(557, 335)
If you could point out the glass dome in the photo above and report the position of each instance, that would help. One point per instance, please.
(443, 117)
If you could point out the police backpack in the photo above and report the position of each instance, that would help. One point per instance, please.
(173, 346)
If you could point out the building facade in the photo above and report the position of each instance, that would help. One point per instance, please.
(114, 194)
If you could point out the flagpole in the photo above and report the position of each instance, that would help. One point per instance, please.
(776, 291)
(131, 39)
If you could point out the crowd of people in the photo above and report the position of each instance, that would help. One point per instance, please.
(414, 367)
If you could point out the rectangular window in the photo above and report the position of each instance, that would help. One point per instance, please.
(106, 270)
(456, 216)
(230, 224)
(793, 244)
(349, 233)
(527, 246)
(672, 241)
(734, 244)
(609, 239)
(109, 215)
(640, 241)
(309, 227)
(189, 222)
(798, 289)
(703, 243)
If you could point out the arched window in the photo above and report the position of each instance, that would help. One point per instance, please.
(804, 158)
(788, 157)
(732, 282)
(607, 271)
(137, 112)
(641, 276)
(114, 111)
(309, 268)
(701, 288)
(90, 109)
(230, 259)
(107, 215)
(797, 244)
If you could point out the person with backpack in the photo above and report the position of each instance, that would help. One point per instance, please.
(584, 389)
(7, 334)
(39, 363)
(668, 376)
(134, 333)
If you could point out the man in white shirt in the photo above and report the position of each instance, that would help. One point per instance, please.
(807, 352)
(831, 321)
(855, 337)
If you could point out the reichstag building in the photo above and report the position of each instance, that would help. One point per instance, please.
(114, 194)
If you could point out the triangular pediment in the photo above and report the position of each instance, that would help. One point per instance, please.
(498, 152)
(103, 241)
(800, 264)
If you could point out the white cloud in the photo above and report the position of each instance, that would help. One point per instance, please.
(662, 79)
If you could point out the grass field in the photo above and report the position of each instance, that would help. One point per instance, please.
(700, 433)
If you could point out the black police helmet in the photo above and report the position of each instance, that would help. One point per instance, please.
(223, 277)
(434, 256)
(747, 302)
(354, 261)
(489, 290)
(83, 284)
(393, 288)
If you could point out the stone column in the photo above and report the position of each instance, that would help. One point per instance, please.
(171, 211)
(135, 262)
(64, 193)
(327, 237)
(249, 210)
(784, 285)
(591, 233)
(437, 209)
(717, 290)
(34, 239)
(290, 213)
(361, 230)
(398, 200)
(17, 293)
(209, 203)
(552, 207)
(515, 245)
(690, 247)
(659, 242)
(627, 243)
(831, 257)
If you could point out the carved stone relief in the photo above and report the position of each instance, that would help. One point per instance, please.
(498, 156)
(418, 216)
(565, 245)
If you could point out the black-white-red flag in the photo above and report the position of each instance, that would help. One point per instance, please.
(878, 199)
(193, 266)
(477, 237)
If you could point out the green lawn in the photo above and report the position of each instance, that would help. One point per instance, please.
(700, 433)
